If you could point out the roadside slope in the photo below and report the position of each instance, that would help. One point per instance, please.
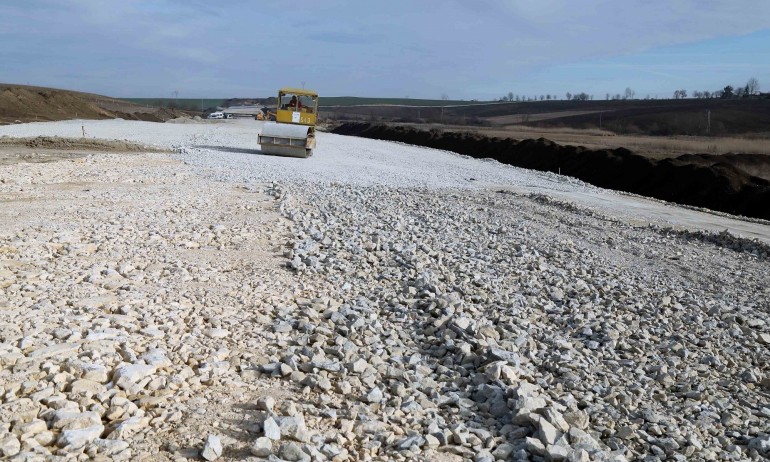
(715, 182)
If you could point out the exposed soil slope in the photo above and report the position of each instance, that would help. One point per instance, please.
(20, 103)
(714, 182)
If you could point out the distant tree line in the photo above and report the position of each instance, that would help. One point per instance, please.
(729, 92)
(522, 98)
(751, 88)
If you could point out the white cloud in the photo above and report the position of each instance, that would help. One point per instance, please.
(350, 46)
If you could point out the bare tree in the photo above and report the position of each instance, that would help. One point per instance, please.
(629, 94)
(569, 96)
(752, 86)
(444, 96)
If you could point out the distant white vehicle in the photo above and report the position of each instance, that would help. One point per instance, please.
(216, 115)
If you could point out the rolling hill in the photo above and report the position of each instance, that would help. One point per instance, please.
(22, 103)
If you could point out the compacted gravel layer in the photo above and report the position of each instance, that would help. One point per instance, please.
(558, 332)
(357, 305)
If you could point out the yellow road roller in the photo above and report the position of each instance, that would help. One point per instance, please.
(293, 132)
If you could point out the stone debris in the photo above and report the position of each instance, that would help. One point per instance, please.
(79, 437)
(9, 446)
(271, 429)
(212, 449)
(309, 320)
(519, 348)
(262, 447)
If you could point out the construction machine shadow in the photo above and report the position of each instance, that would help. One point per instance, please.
(230, 149)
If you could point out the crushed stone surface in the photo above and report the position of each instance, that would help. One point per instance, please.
(376, 301)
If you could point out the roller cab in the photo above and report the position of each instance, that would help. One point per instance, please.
(293, 132)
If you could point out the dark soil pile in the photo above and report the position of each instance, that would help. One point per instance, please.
(715, 182)
(145, 116)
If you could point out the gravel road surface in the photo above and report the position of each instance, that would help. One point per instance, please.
(376, 301)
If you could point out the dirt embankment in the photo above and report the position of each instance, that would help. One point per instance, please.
(80, 144)
(54, 148)
(20, 103)
(717, 182)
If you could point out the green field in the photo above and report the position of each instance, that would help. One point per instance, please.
(194, 104)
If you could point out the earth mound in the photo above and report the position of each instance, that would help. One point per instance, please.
(727, 183)
(20, 103)
(76, 144)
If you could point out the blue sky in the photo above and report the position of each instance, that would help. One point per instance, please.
(465, 49)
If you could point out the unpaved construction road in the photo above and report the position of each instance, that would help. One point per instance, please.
(376, 301)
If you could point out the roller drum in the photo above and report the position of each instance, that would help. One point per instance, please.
(287, 140)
